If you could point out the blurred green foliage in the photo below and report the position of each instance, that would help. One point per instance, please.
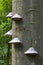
(5, 25)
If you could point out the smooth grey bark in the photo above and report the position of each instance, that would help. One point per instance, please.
(30, 31)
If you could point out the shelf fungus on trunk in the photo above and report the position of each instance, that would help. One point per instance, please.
(15, 41)
(16, 17)
(31, 51)
(9, 15)
(9, 33)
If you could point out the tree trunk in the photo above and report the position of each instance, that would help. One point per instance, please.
(30, 31)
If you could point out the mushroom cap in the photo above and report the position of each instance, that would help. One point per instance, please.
(16, 17)
(15, 40)
(9, 32)
(31, 50)
(10, 14)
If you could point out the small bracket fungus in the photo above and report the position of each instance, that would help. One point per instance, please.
(16, 17)
(9, 15)
(15, 41)
(31, 51)
(9, 32)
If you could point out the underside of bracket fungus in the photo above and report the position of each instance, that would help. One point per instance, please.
(16, 17)
(31, 51)
(9, 15)
(9, 32)
(15, 41)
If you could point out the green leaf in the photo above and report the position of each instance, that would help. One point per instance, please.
(5, 50)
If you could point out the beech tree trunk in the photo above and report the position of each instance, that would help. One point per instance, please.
(29, 31)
